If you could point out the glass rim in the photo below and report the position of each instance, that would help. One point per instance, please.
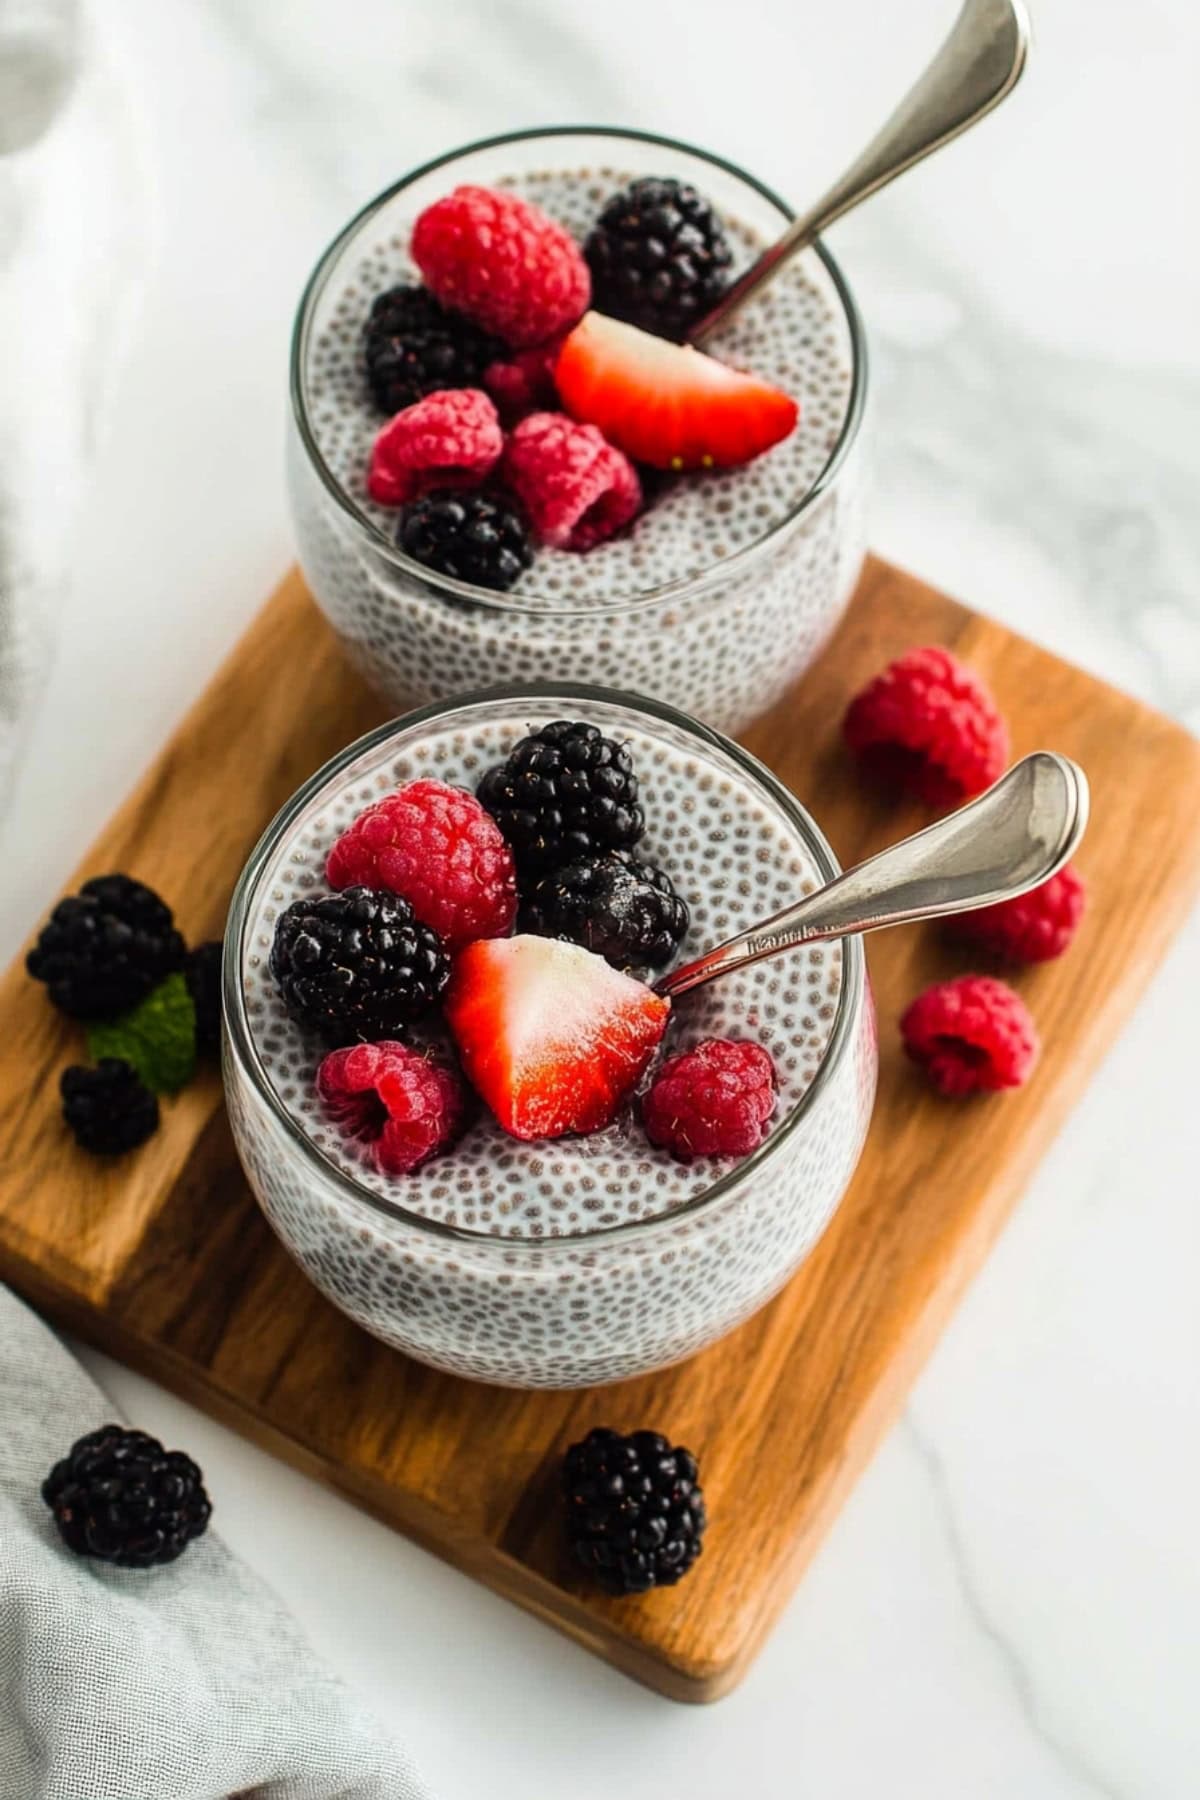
(240, 1038)
(545, 607)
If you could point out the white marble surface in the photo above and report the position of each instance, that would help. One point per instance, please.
(1010, 1603)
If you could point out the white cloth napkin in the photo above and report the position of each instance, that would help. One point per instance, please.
(74, 231)
(186, 1682)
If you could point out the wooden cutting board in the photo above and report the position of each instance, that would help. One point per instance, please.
(164, 1260)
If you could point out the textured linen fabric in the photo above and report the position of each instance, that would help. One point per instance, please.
(75, 236)
(187, 1682)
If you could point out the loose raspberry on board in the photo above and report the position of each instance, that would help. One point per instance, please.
(1034, 927)
(929, 727)
(973, 1035)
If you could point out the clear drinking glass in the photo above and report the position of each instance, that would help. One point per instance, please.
(725, 639)
(590, 1292)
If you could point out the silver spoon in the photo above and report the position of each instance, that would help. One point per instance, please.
(1012, 839)
(979, 63)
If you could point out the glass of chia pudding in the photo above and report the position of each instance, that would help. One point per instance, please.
(464, 1194)
(697, 575)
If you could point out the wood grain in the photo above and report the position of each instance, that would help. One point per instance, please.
(164, 1260)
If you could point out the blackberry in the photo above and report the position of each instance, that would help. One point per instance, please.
(635, 1510)
(103, 949)
(476, 537)
(109, 1108)
(119, 1496)
(618, 905)
(565, 792)
(659, 257)
(202, 972)
(414, 346)
(357, 965)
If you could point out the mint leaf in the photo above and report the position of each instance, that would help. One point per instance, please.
(158, 1036)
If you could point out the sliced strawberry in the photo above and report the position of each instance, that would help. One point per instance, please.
(667, 404)
(550, 1035)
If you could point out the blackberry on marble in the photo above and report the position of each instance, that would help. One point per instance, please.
(415, 345)
(619, 905)
(473, 536)
(109, 1109)
(565, 792)
(635, 1510)
(357, 965)
(118, 1496)
(104, 948)
(659, 257)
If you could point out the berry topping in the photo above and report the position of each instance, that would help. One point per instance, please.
(634, 1510)
(500, 260)
(477, 537)
(576, 488)
(414, 346)
(714, 1100)
(357, 964)
(450, 439)
(564, 792)
(523, 382)
(157, 1036)
(659, 257)
(928, 726)
(109, 1108)
(624, 909)
(550, 1035)
(1032, 928)
(971, 1035)
(103, 949)
(436, 847)
(667, 404)
(202, 971)
(402, 1105)
(120, 1497)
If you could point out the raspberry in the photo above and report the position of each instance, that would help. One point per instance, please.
(437, 847)
(1034, 927)
(971, 1035)
(575, 486)
(501, 261)
(928, 725)
(449, 439)
(399, 1103)
(524, 381)
(714, 1100)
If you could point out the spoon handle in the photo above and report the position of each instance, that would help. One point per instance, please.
(979, 63)
(1012, 839)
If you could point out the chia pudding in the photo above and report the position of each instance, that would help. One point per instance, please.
(729, 582)
(577, 1260)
